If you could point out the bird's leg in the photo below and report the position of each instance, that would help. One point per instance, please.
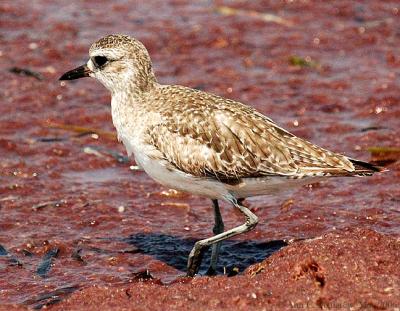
(195, 255)
(218, 228)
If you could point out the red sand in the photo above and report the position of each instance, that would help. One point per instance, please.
(329, 73)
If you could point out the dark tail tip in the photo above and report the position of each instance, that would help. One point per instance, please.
(366, 168)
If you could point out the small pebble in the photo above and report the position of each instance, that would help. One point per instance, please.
(33, 46)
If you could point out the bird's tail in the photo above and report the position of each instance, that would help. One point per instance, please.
(365, 168)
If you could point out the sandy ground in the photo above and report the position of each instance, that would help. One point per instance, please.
(80, 229)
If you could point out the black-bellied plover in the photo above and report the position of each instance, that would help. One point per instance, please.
(202, 143)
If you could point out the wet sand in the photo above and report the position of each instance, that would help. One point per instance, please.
(78, 223)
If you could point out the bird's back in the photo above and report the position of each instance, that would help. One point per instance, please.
(209, 136)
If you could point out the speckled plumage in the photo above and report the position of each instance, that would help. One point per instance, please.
(112, 41)
(202, 143)
(208, 136)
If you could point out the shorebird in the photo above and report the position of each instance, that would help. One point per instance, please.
(201, 143)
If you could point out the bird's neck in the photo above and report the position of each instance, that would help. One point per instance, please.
(136, 82)
(143, 82)
(133, 94)
(129, 106)
(129, 101)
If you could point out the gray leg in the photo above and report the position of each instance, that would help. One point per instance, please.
(218, 228)
(196, 254)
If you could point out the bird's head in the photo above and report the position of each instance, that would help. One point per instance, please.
(119, 62)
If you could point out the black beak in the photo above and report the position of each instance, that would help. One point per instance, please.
(80, 72)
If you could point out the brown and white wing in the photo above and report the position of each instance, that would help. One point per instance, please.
(230, 141)
(213, 147)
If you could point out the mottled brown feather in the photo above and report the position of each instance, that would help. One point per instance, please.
(203, 134)
(207, 135)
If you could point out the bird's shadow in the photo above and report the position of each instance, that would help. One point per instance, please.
(174, 251)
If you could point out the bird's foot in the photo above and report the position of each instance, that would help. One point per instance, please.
(195, 258)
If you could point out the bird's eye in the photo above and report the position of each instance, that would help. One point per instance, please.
(99, 61)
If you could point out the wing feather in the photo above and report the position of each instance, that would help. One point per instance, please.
(207, 135)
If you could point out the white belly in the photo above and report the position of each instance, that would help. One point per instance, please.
(170, 177)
